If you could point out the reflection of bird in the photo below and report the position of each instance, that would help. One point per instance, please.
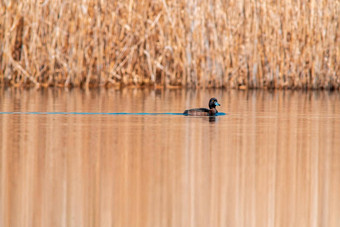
(204, 111)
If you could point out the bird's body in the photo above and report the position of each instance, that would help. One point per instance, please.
(212, 111)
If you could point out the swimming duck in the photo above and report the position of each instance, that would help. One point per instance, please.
(204, 111)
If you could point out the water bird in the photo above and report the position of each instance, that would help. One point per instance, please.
(212, 111)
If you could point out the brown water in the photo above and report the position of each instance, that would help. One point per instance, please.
(273, 160)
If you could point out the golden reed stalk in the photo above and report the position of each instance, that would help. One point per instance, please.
(174, 43)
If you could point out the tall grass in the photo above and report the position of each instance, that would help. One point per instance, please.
(238, 44)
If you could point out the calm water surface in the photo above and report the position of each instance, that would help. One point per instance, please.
(273, 160)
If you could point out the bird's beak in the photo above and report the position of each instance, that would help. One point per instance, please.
(217, 104)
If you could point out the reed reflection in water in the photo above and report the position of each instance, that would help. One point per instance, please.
(274, 160)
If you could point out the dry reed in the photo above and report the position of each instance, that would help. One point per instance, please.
(237, 44)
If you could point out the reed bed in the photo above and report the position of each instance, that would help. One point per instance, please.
(235, 44)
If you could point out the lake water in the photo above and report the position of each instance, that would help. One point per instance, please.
(273, 160)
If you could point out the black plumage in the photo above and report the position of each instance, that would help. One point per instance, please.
(212, 111)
